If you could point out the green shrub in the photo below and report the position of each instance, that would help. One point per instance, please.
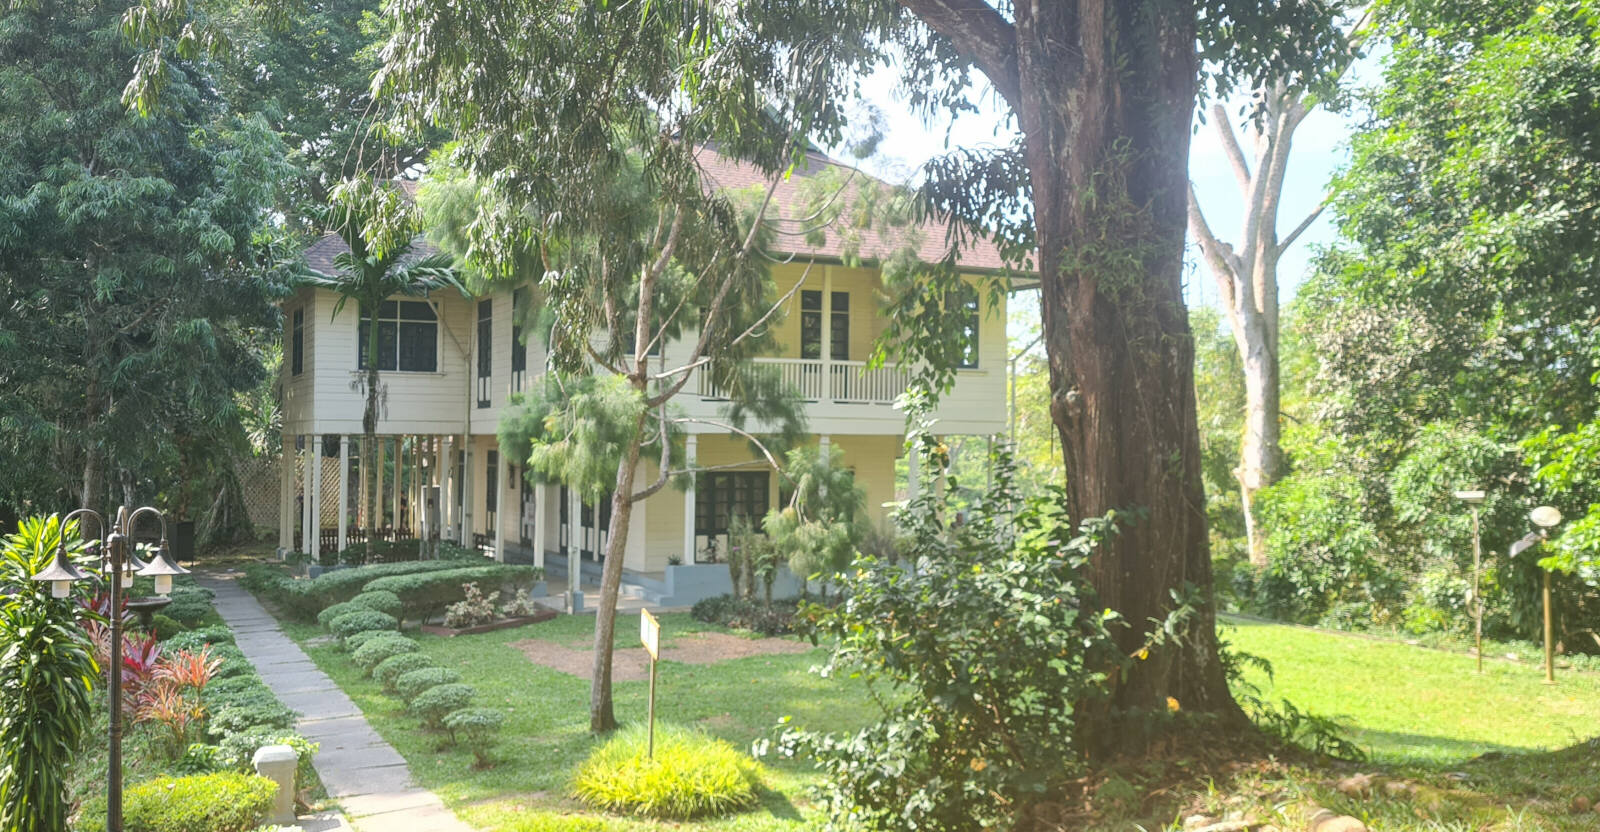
(477, 729)
(774, 619)
(361, 621)
(435, 703)
(413, 683)
(358, 640)
(233, 662)
(392, 668)
(377, 650)
(164, 628)
(189, 608)
(326, 617)
(384, 602)
(195, 639)
(425, 595)
(222, 802)
(690, 776)
(343, 585)
(241, 704)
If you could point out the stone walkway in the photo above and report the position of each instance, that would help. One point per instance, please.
(363, 773)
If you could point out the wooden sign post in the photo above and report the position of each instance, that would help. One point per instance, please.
(650, 634)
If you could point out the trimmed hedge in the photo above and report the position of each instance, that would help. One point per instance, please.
(327, 616)
(425, 595)
(361, 620)
(437, 702)
(195, 639)
(384, 602)
(415, 683)
(377, 650)
(477, 729)
(397, 665)
(691, 776)
(360, 640)
(223, 802)
(305, 597)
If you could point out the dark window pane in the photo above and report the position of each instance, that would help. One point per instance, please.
(387, 309)
(485, 339)
(811, 300)
(388, 343)
(491, 502)
(298, 360)
(841, 302)
(417, 310)
(361, 344)
(811, 325)
(519, 350)
(419, 347)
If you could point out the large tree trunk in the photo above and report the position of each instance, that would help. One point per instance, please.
(1106, 93)
(369, 440)
(602, 716)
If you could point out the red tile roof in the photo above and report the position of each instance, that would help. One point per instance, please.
(870, 245)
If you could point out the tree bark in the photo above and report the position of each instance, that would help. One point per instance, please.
(369, 436)
(1103, 94)
(602, 716)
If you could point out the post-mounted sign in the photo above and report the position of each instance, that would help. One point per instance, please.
(650, 633)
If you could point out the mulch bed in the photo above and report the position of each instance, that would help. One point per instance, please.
(633, 664)
(502, 624)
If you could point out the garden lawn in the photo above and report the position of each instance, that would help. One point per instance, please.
(1408, 704)
(546, 734)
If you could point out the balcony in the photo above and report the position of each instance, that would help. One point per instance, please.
(843, 382)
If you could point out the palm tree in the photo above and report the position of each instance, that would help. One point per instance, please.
(383, 229)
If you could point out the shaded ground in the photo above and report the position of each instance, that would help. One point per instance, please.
(633, 664)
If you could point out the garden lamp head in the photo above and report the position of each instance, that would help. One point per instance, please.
(1545, 517)
(61, 572)
(162, 567)
(1470, 497)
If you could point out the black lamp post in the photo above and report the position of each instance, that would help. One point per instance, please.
(120, 567)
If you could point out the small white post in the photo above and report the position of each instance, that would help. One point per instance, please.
(344, 491)
(691, 448)
(277, 763)
(303, 455)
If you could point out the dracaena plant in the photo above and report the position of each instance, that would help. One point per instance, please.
(188, 669)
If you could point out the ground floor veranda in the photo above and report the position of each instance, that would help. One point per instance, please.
(462, 489)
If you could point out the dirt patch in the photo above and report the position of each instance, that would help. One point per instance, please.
(633, 664)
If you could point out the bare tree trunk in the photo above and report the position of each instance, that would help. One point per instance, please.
(1247, 279)
(369, 438)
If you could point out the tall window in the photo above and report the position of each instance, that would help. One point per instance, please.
(811, 317)
(967, 301)
(723, 495)
(297, 343)
(491, 484)
(839, 323)
(485, 350)
(519, 350)
(408, 336)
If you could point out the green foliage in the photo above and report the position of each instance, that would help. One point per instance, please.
(414, 683)
(328, 614)
(251, 710)
(164, 628)
(47, 670)
(361, 621)
(384, 602)
(473, 609)
(374, 652)
(476, 728)
(222, 802)
(305, 598)
(237, 751)
(195, 639)
(769, 619)
(817, 533)
(356, 641)
(422, 596)
(437, 702)
(690, 776)
(389, 671)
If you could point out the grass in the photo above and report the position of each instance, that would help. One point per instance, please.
(546, 734)
(1410, 705)
(1422, 715)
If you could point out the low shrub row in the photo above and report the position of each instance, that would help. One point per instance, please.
(304, 598)
(774, 619)
(425, 595)
(217, 802)
(690, 776)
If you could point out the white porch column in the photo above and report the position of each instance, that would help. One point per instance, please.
(314, 489)
(344, 491)
(285, 495)
(574, 537)
(691, 446)
(447, 495)
(827, 334)
(436, 517)
(541, 516)
(468, 486)
(913, 473)
(303, 504)
(501, 507)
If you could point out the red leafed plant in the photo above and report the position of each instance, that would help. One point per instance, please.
(140, 655)
(188, 668)
(182, 716)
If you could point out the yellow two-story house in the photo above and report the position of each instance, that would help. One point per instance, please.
(449, 366)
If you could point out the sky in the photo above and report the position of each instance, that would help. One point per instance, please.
(1320, 148)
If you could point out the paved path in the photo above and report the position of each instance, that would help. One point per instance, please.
(365, 774)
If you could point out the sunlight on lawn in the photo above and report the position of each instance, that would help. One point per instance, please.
(1406, 703)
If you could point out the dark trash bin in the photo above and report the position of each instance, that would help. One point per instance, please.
(182, 541)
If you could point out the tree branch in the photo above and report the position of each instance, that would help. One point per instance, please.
(1230, 147)
(665, 466)
(1304, 224)
(979, 31)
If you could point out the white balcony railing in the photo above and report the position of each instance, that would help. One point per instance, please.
(848, 382)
